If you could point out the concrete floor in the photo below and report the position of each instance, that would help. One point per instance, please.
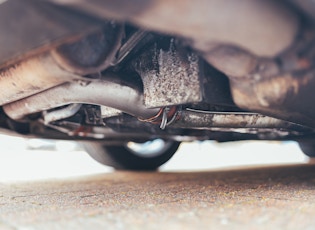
(246, 185)
(253, 198)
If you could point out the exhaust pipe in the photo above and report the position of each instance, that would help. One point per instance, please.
(67, 62)
(32, 76)
(101, 92)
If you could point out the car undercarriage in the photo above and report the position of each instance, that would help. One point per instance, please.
(118, 73)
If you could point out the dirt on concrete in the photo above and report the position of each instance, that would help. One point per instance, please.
(254, 198)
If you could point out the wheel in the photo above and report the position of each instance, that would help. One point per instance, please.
(133, 156)
(308, 147)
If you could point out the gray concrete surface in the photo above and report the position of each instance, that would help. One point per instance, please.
(280, 197)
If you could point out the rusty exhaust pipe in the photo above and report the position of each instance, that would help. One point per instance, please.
(30, 77)
(101, 92)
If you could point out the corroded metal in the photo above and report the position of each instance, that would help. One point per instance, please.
(100, 92)
(31, 76)
(68, 62)
(197, 119)
(282, 87)
(285, 96)
(170, 76)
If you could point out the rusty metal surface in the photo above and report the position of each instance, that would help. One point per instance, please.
(286, 96)
(191, 118)
(170, 76)
(30, 27)
(98, 92)
(31, 76)
(265, 28)
(280, 87)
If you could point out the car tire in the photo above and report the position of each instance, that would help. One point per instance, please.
(308, 148)
(127, 157)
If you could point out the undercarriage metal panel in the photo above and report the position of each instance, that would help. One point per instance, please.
(252, 24)
(282, 87)
(29, 27)
(286, 96)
